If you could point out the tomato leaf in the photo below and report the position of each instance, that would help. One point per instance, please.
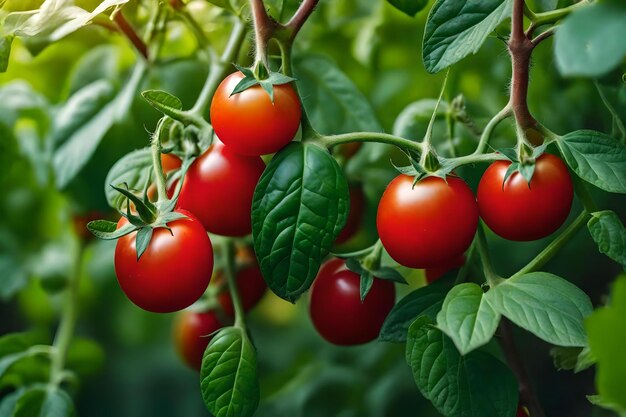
(609, 234)
(588, 42)
(455, 29)
(159, 99)
(43, 402)
(575, 359)
(467, 318)
(596, 158)
(409, 7)
(425, 301)
(546, 305)
(5, 51)
(132, 169)
(300, 206)
(475, 385)
(367, 280)
(229, 382)
(103, 229)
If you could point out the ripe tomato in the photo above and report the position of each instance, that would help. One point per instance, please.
(170, 162)
(429, 224)
(218, 190)
(250, 284)
(249, 123)
(174, 270)
(191, 335)
(521, 412)
(434, 273)
(518, 211)
(357, 207)
(336, 308)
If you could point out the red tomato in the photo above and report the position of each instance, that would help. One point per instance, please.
(517, 211)
(170, 162)
(191, 335)
(429, 224)
(250, 284)
(336, 308)
(249, 123)
(174, 270)
(218, 190)
(436, 272)
(357, 208)
(521, 412)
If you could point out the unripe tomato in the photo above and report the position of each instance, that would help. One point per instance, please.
(435, 272)
(336, 308)
(355, 216)
(191, 335)
(348, 150)
(516, 210)
(218, 189)
(250, 284)
(429, 224)
(249, 123)
(174, 270)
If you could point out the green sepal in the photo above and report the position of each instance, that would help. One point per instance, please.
(509, 153)
(389, 274)
(367, 280)
(250, 80)
(106, 230)
(527, 169)
(514, 167)
(144, 235)
(145, 211)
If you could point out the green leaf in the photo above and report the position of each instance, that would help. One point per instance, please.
(596, 158)
(144, 235)
(589, 42)
(367, 280)
(607, 338)
(330, 98)
(229, 382)
(132, 169)
(81, 142)
(162, 101)
(572, 358)
(609, 234)
(13, 276)
(475, 385)
(546, 305)
(7, 361)
(43, 402)
(300, 206)
(5, 51)
(8, 403)
(455, 29)
(601, 402)
(409, 7)
(425, 301)
(467, 318)
(104, 229)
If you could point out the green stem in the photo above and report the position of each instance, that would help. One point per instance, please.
(616, 118)
(65, 331)
(229, 272)
(474, 158)
(157, 165)
(372, 261)
(582, 192)
(426, 146)
(552, 16)
(555, 246)
(483, 251)
(334, 140)
(219, 68)
(486, 135)
(464, 271)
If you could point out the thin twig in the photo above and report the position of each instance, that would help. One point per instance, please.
(130, 33)
(300, 16)
(543, 36)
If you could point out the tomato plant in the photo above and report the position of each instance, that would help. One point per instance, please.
(520, 210)
(251, 122)
(192, 334)
(174, 270)
(427, 224)
(218, 189)
(338, 312)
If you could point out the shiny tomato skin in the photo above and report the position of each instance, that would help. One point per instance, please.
(518, 212)
(191, 335)
(250, 285)
(218, 189)
(249, 123)
(337, 311)
(433, 273)
(174, 270)
(355, 216)
(429, 224)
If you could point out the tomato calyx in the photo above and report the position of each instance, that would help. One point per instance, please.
(368, 272)
(522, 161)
(267, 81)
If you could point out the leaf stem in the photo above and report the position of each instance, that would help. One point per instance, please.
(492, 278)
(128, 31)
(229, 272)
(65, 331)
(582, 192)
(616, 118)
(555, 246)
(300, 16)
(527, 393)
(334, 140)
(549, 17)
(157, 166)
(504, 113)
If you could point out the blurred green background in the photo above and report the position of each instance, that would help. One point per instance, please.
(124, 356)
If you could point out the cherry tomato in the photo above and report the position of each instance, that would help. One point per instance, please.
(249, 123)
(336, 308)
(218, 189)
(516, 211)
(429, 224)
(250, 284)
(521, 412)
(191, 335)
(174, 270)
(434, 273)
(357, 208)
(170, 162)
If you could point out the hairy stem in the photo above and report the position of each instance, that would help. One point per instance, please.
(527, 393)
(300, 16)
(157, 166)
(264, 28)
(130, 34)
(495, 121)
